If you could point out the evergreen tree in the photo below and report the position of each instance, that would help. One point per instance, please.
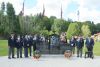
(13, 22)
(2, 18)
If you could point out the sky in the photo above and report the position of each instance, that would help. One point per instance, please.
(89, 10)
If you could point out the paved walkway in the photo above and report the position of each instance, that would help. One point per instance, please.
(50, 61)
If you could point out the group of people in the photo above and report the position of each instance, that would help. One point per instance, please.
(20, 42)
(89, 43)
(29, 43)
(78, 43)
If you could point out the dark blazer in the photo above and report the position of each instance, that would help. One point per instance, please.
(30, 41)
(89, 43)
(19, 43)
(11, 42)
(25, 43)
(80, 43)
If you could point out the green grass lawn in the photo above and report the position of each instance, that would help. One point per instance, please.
(97, 48)
(4, 48)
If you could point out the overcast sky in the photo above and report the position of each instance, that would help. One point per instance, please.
(89, 9)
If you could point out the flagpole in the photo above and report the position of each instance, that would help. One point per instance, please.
(61, 11)
(78, 14)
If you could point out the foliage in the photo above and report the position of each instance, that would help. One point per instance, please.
(73, 30)
(86, 30)
(2, 18)
(97, 27)
(12, 20)
(45, 33)
(60, 26)
(20, 24)
(91, 25)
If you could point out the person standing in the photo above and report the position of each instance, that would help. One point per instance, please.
(63, 39)
(79, 45)
(19, 46)
(26, 45)
(30, 42)
(89, 45)
(11, 46)
(72, 44)
(34, 42)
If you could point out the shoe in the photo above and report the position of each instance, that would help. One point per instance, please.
(26, 57)
(13, 57)
(20, 57)
(9, 58)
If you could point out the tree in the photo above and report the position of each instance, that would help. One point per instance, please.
(17, 26)
(52, 18)
(86, 30)
(21, 23)
(45, 33)
(45, 23)
(28, 29)
(37, 23)
(2, 18)
(26, 24)
(97, 27)
(73, 30)
(70, 20)
(9, 22)
(92, 26)
(60, 25)
(11, 18)
(3, 7)
(41, 23)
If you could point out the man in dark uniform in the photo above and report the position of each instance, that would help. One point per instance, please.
(79, 45)
(34, 43)
(19, 46)
(11, 46)
(26, 46)
(30, 42)
(89, 44)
